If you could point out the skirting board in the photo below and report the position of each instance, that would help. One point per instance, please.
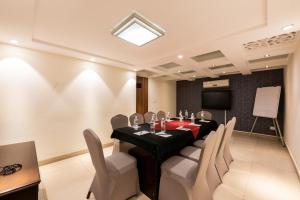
(294, 161)
(69, 155)
(259, 134)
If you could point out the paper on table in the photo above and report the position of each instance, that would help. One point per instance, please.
(183, 129)
(202, 120)
(165, 135)
(191, 124)
(141, 133)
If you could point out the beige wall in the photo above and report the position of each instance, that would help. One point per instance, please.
(51, 99)
(292, 107)
(162, 96)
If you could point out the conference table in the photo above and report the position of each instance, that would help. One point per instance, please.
(152, 149)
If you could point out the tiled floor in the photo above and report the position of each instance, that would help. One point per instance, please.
(262, 170)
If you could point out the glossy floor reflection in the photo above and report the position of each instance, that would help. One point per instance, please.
(262, 170)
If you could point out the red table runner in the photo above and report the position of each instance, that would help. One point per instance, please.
(172, 125)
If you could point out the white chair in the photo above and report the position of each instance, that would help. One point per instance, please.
(220, 160)
(194, 153)
(178, 175)
(227, 153)
(140, 118)
(148, 116)
(184, 179)
(206, 115)
(160, 115)
(116, 176)
(120, 121)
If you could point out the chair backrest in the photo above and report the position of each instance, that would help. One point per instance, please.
(161, 114)
(148, 116)
(227, 154)
(213, 178)
(201, 188)
(228, 133)
(96, 152)
(140, 118)
(206, 115)
(119, 121)
(221, 165)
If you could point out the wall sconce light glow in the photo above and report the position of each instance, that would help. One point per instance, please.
(179, 71)
(15, 42)
(92, 59)
(180, 56)
(194, 76)
(135, 70)
(267, 55)
(267, 66)
(224, 72)
(288, 27)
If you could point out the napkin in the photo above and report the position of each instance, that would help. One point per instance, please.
(141, 133)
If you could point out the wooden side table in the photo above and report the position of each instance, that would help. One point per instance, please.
(24, 184)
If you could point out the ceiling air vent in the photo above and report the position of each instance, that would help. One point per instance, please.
(208, 56)
(269, 58)
(169, 65)
(188, 72)
(145, 73)
(221, 67)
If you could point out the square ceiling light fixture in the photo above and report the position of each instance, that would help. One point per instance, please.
(137, 30)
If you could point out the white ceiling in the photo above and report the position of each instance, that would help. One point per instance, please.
(82, 29)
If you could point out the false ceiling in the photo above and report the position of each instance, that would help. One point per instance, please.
(209, 34)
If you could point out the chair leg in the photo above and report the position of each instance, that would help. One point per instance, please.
(88, 195)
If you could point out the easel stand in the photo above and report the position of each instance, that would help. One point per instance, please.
(277, 129)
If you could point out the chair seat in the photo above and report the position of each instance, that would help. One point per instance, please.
(199, 143)
(192, 153)
(120, 163)
(182, 168)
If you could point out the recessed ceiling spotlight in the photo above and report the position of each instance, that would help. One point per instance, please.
(135, 70)
(267, 55)
(288, 27)
(137, 30)
(180, 56)
(15, 42)
(92, 59)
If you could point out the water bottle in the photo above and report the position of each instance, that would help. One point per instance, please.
(152, 124)
(168, 116)
(180, 120)
(192, 118)
(180, 113)
(186, 114)
(135, 123)
(163, 125)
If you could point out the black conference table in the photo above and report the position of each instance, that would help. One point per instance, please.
(152, 150)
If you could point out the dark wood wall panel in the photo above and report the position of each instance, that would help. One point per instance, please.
(243, 95)
(141, 95)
